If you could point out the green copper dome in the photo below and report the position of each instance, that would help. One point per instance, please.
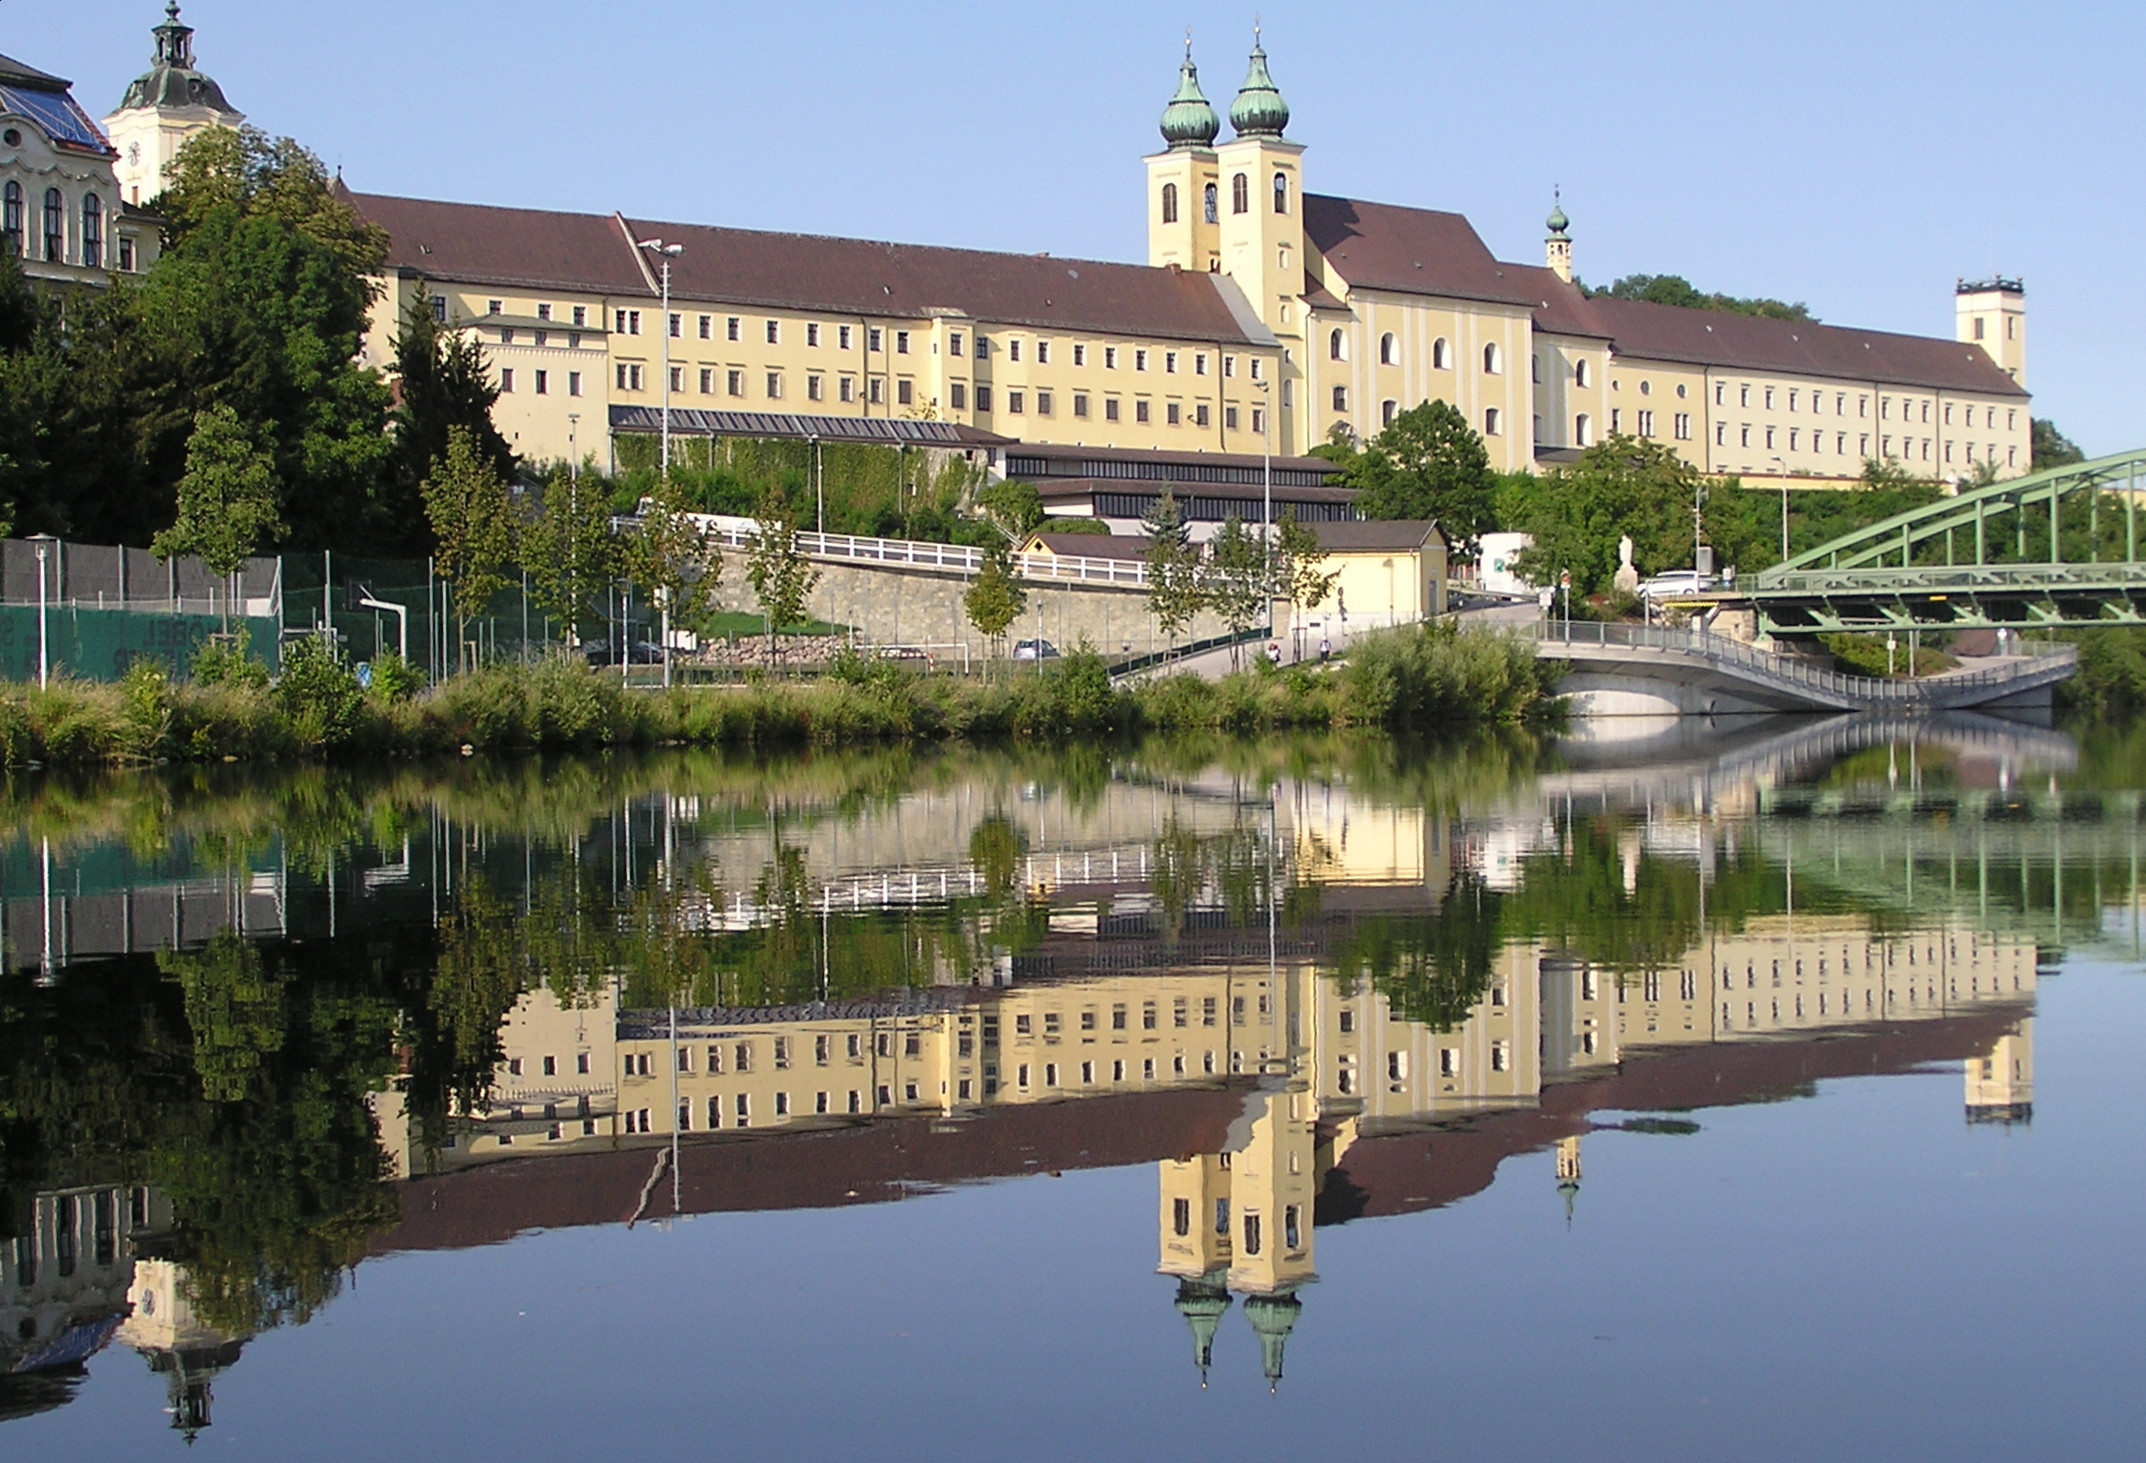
(1557, 223)
(1259, 110)
(1202, 1303)
(1189, 121)
(1272, 1317)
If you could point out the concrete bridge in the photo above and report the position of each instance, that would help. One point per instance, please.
(1644, 670)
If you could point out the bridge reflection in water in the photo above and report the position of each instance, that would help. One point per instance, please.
(1304, 1000)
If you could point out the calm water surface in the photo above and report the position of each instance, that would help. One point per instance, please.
(1765, 1096)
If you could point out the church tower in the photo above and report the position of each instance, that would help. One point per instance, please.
(1992, 313)
(1262, 203)
(167, 104)
(1557, 248)
(1182, 204)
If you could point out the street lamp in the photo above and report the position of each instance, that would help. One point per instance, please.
(665, 253)
(819, 486)
(44, 542)
(1781, 470)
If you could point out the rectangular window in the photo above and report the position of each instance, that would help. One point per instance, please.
(1140, 412)
(774, 386)
(678, 326)
(1199, 415)
(953, 344)
(581, 314)
(1769, 439)
(1646, 423)
(958, 396)
(1169, 363)
(983, 397)
(734, 382)
(1721, 434)
(707, 381)
(1175, 414)
(1683, 426)
(871, 339)
(1341, 401)
(1013, 401)
(494, 307)
(744, 1055)
(1140, 360)
(506, 381)
(815, 388)
(875, 390)
(1043, 403)
(1743, 434)
(901, 342)
(846, 389)
(1110, 358)
(1080, 355)
(543, 383)
(1259, 420)
(983, 346)
(1050, 1074)
(1080, 404)
(439, 309)
(1043, 353)
(842, 337)
(812, 333)
(774, 332)
(1229, 367)
(1199, 363)
(506, 336)
(678, 378)
(1013, 350)
(905, 392)
(1110, 408)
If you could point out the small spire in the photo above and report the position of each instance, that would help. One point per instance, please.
(1557, 222)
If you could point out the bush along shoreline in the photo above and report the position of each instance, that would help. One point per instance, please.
(1411, 679)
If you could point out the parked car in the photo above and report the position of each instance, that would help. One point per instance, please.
(1035, 650)
(913, 656)
(1676, 584)
(641, 652)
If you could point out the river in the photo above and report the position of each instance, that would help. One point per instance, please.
(1752, 1094)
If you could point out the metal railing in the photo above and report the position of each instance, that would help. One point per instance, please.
(1790, 674)
(955, 558)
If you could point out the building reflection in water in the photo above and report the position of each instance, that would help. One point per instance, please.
(1295, 1007)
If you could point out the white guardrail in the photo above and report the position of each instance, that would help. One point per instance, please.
(733, 533)
(1789, 673)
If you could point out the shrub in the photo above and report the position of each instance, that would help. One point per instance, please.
(145, 709)
(394, 679)
(317, 694)
(227, 662)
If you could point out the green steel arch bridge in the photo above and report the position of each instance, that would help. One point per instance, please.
(2054, 549)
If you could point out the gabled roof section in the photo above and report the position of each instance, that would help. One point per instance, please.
(1376, 536)
(477, 244)
(45, 100)
(1721, 339)
(1414, 251)
(16, 73)
(1560, 307)
(472, 243)
(867, 278)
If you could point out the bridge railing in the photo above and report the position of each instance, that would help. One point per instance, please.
(954, 558)
(1790, 673)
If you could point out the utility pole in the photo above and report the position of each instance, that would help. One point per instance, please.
(666, 253)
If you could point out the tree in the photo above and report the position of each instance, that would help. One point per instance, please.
(1430, 463)
(466, 504)
(1675, 289)
(1173, 567)
(227, 500)
(444, 382)
(569, 550)
(677, 560)
(1299, 562)
(1236, 581)
(996, 598)
(782, 578)
(1619, 486)
(2052, 448)
(1015, 509)
(244, 171)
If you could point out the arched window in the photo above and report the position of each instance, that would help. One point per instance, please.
(1211, 207)
(1581, 376)
(1583, 430)
(55, 226)
(1169, 203)
(1281, 193)
(1240, 194)
(92, 231)
(1337, 346)
(1440, 360)
(1388, 410)
(1491, 421)
(1389, 350)
(1491, 359)
(11, 218)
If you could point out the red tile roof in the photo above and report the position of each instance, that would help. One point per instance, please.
(518, 246)
(1417, 251)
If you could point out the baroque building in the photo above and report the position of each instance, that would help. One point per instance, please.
(61, 208)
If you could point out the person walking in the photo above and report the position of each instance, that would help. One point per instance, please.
(1326, 649)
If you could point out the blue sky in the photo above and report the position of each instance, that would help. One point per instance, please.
(1858, 157)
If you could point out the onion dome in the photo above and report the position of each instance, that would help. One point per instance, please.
(1557, 223)
(1272, 1317)
(1202, 1303)
(1189, 121)
(1259, 110)
(172, 80)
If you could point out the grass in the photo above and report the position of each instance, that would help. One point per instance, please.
(1418, 679)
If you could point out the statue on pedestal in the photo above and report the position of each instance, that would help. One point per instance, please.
(1626, 578)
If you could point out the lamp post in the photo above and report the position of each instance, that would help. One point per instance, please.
(1781, 469)
(1266, 492)
(665, 253)
(819, 485)
(44, 542)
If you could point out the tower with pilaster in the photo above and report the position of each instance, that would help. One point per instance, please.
(1260, 233)
(166, 105)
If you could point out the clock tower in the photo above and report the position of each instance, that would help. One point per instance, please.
(167, 104)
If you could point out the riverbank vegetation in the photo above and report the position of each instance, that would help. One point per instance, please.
(1420, 679)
